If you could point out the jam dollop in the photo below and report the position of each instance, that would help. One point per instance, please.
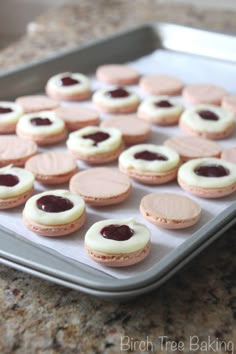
(40, 121)
(212, 171)
(150, 156)
(68, 81)
(117, 232)
(54, 204)
(97, 137)
(119, 92)
(208, 115)
(163, 104)
(8, 180)
(4, 110)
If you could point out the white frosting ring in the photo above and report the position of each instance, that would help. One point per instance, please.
(11, 117)
(148, 107)
(186, 173)
(32, 212)
(192, 119)
(82, 86)
(100, 97)
(128, 160)
(56, 127)
(76, 142)
(95, 241)
(26, 182)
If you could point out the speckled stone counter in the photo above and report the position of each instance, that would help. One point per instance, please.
(40, 317)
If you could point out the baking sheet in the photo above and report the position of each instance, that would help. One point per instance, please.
(190, 69)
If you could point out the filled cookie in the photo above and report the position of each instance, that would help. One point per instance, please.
(54, 213)
(16, 186)
(208, 177)
(101, 186)
(117, 243)
(117, 74)
(134, 130)
(161, 85)
(149, 163)
(161, 110)
(95, 145)
(204, 93)
(208, 121)
(116, 100)
(52, 167)
(36, 103)
(68, 87)
(10, 113)
(44, 128)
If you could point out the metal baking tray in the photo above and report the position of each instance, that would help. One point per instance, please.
(45, 263)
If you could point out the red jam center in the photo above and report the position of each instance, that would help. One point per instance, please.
(54, 204)
(4, 110)
(97, 137)
(117, 232)
(68, 81)
(8, 180)
(163, 104)
(40, 121)
(212, 171)
(150, 156)
(118, 93)
(208, 115)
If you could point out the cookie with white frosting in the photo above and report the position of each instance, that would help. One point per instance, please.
(208, 177)
(117, 243)
(95, 145)
(10, 113)
(69, 87)
(149, 163)
(161, 110)
(54, 213)
(208, 121)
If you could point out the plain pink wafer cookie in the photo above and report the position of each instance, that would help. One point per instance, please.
(161, 85)
(36, 103)
(229, 103)
(117, 74)
(204, 93)
(229, 154)
(77, 117)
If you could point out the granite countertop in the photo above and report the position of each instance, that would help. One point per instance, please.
(40, 317)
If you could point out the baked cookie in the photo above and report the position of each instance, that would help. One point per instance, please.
(77, 117)
(161, 110)
(170, 210)
(208, 177)
(36, 103)
(117, 243)
(44, 128)
(229, 103)
(208, 121)
(95, 145)
(204, 93)
(16, 186)
(54, 213)
(52, 167)
(16, 151)
(150, 164)
(68, 87)
(116, 100)
(117, 74)
(161, 85)
(134, 130)
(101, 186)
(229, 154)
(193, 147)
(10, 113)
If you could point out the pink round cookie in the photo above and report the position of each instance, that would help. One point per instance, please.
(170, 210)
(101, 186)
(52, 167)
(15, 151)
(134, 130)
(36, 103)
(117, 74)
(77, 117)
(161, 85)
(204, 93)
(229, 154)
(229, 103)
(117, 243)
(193, 147)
